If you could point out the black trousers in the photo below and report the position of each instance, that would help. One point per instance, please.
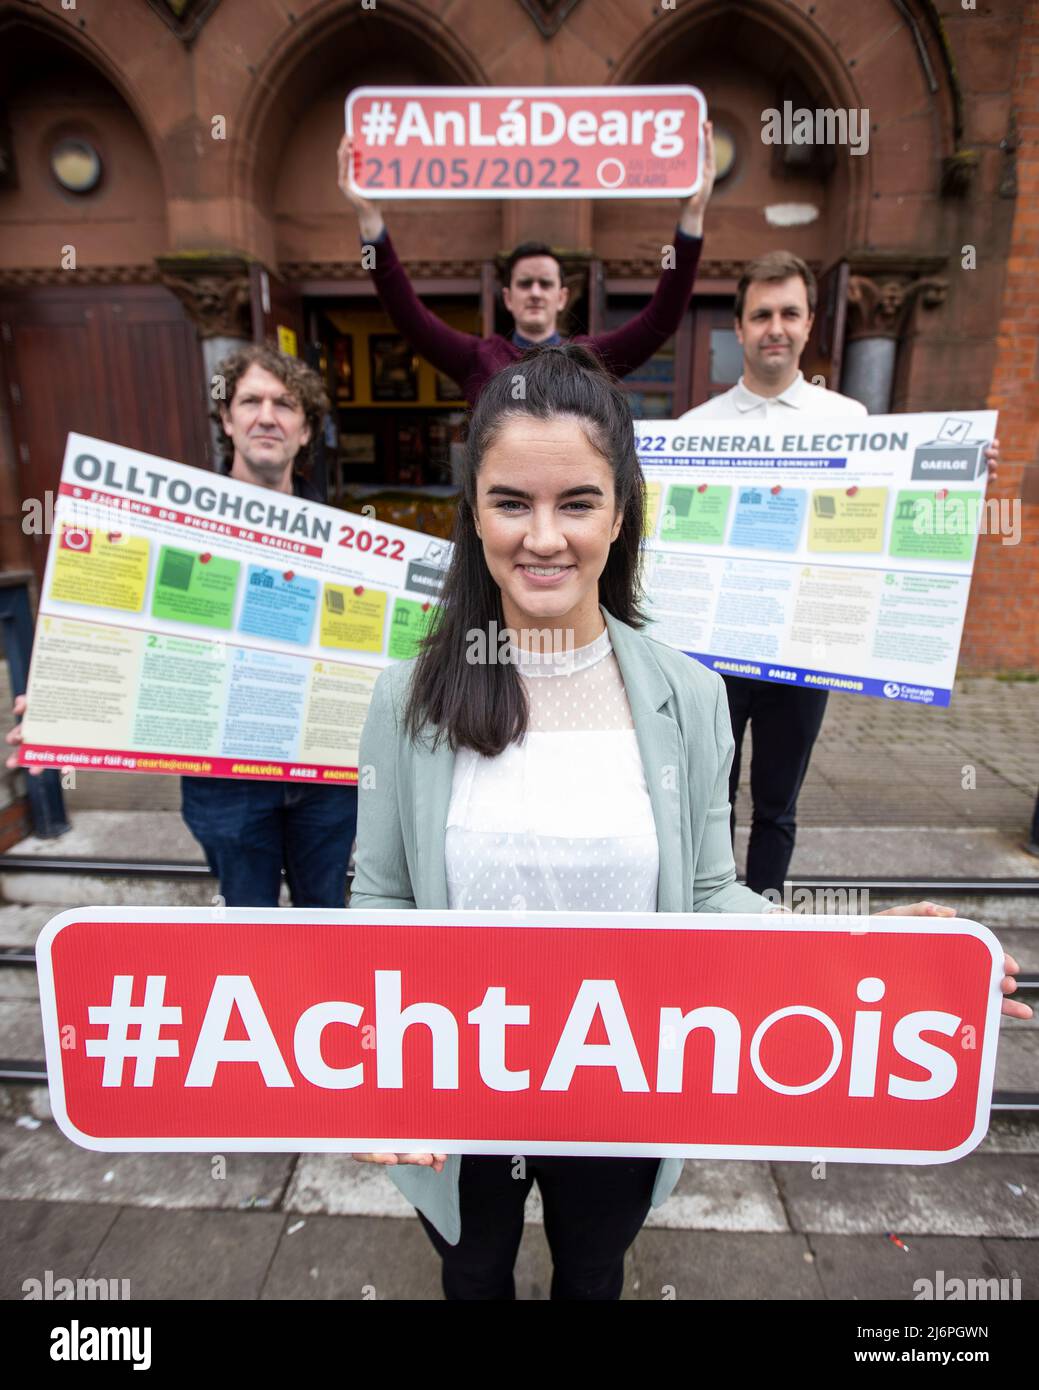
(594, 1209)
(786, 721)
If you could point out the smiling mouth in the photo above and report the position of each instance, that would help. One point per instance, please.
(546, 570)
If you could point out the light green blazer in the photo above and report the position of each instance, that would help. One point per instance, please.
(681, 718)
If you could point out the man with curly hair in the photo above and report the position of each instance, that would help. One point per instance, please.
(271, 412)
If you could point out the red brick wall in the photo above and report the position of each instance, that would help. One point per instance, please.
(1002, 631)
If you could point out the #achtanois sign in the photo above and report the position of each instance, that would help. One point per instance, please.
(785, 1037)
(526, 142)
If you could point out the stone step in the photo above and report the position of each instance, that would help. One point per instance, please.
(921, 850)
(58, 892)
(831, 852)
(21, 924)
(1001, 912)
(156, 836)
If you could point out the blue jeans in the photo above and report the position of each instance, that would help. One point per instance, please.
(249, 830)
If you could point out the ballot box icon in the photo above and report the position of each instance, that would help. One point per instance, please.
(426, 575)
(952, 456)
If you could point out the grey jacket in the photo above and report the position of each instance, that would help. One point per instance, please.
(681, 719)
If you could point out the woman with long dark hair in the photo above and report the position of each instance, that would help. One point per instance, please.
(581, 766)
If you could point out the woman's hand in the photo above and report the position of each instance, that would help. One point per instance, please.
(368, 214)
(692, 209)
(434, 1161)
(1011, 1007)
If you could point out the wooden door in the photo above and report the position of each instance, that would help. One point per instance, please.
(121, 363)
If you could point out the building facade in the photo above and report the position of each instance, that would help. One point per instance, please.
(167, 188)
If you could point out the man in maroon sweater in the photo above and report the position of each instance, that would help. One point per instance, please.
(535, 296)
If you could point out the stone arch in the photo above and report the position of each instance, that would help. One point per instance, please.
(57, 81)
(839, 57)
(294, 105)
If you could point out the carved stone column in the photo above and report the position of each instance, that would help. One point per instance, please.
(879, 309)
(215, 292)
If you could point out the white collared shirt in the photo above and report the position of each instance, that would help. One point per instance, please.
(800, 395)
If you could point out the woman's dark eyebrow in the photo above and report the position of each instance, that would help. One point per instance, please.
(500, 489)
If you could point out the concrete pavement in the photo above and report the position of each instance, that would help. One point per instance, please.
(275, 1226)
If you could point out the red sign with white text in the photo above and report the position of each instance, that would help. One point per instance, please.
(526, 142)
(844, 1038)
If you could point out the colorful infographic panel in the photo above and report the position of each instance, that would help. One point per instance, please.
(831, 554)
(193, 624)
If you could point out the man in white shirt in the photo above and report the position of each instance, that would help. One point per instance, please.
(774, 311)
(775, 305)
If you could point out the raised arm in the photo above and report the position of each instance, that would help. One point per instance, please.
(448, 349)
(625, 348)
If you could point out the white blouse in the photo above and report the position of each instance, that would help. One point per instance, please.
(561, 820)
